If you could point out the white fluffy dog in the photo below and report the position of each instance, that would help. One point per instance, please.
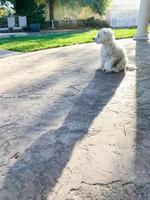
(113, 58)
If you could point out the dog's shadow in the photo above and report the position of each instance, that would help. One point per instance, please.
(36, 173)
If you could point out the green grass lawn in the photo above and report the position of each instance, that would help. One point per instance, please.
(37, 42)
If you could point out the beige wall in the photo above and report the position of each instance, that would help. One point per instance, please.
(62, 12)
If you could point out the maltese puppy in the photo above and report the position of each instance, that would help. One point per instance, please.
(113, 58)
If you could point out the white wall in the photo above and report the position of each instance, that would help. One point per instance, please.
(124, 13)
(125, 2)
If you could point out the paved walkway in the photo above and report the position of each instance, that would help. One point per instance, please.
(69, 132)
(5, 53)
(8, 35)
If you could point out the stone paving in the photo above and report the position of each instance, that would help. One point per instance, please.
(70, 132)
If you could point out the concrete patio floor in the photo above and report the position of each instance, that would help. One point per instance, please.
(69, 132)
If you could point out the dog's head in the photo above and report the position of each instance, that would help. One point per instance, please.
(105, 35)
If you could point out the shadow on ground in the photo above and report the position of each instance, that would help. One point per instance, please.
(35, 174)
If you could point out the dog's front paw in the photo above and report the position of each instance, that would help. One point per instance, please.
(107, 70)
(114, 70)
(99, 69)
(104, 69)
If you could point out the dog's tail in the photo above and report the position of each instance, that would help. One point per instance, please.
(131, 67)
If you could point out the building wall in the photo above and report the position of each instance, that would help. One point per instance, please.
(124, 13)
(126, 2)
(123, 16)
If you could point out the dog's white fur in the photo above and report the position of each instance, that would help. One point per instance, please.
(113, 58)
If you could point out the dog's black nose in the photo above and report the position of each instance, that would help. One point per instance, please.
(93, 38)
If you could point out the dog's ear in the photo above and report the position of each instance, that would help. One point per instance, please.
(110, 34)
(104, 35)
(107, 34)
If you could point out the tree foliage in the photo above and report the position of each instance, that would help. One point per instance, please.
(6, 9)
(98, 6)
(30, 8)
(35, 8)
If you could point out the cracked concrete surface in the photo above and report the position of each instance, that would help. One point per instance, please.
(69, 132)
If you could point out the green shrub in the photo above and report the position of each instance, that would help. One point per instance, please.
(95, 23)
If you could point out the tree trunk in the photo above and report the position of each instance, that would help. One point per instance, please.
(51, 9)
